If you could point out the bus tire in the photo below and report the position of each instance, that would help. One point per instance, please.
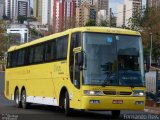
(25, 105)
(67, 109)
(116, 113)
(17, 99)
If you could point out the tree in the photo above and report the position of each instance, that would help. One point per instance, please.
(21, 19)
(69, 23)
(135, 22)
(5, 17)
(3, 48)
(90, 23)
(2, 38)
(35, 33)
(148, 23)
(104, 23)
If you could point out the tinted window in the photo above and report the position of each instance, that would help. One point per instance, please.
(62, 45)
(13, 59)
(21, 57)
(50, 51)
(53, 50)
(75, 42)
(31, 55)
(9, 60)
(38, 53)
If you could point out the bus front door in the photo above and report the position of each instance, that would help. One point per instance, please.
(77, 83)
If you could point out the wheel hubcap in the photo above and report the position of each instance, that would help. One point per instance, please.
(23, 99)
(17, 99)
(65, 105)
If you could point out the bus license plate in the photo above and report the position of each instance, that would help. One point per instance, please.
(117, 101)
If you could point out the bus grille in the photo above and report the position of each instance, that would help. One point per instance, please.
(116, 93)
(109, 92)
(125, 93)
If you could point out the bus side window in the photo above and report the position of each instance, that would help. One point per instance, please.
(61, 49)
(21, 57)
(31, 54)
(48, 51)
(14, 59)
(54, 50)
(75, 42)
(39, 49)
(9, 60)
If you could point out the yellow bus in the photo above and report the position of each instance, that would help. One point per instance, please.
(87, 68)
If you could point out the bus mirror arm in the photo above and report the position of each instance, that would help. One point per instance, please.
(77, 84)
(81, 58)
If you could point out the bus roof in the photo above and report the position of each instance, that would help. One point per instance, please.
(80, 29)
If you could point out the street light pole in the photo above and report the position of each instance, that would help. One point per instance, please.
(8, 41)
(151, 49)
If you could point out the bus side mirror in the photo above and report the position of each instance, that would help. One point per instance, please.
(80, 58)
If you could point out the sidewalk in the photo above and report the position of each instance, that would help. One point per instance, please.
(152, 110)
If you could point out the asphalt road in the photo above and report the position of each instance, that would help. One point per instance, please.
(8, 111)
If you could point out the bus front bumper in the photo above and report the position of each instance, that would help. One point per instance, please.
(112, 103)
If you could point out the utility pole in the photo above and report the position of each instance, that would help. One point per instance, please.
(49, 15)
(151, 49)
(110, 21)
(8, 41)
(29, 32)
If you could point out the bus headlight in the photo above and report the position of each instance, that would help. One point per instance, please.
(91, 92)
(138, 93)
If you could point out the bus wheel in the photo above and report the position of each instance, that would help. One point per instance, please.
(116, 113)
(66, 104)
(17, 99)
(25, 105)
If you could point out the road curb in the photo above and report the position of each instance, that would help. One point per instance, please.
(152, 111)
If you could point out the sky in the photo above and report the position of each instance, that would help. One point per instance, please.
(31, 3)
(113, 4)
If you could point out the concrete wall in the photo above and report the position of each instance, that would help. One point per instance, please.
(151, 81)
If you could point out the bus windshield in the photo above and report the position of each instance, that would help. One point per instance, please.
(113, 60)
